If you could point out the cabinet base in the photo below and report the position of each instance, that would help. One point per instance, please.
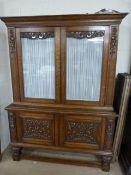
(103, 161)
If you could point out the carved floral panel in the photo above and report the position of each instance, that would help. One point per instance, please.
(82, 131)
(38, 129)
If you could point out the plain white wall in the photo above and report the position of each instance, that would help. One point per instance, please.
(51, 7)
(5, 87)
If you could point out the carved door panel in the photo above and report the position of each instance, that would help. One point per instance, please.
(39, 64)
(84, 63)
(81, 131)
(36, 128)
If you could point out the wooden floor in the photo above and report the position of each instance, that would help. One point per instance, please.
(30, 167)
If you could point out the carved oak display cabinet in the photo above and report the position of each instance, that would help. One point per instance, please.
(63, 77)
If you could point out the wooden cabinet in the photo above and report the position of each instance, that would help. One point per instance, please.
(63, 76)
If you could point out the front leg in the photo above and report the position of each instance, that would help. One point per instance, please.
(16, 152)
(106, 160)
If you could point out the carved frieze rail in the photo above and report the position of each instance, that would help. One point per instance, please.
(85, 34)
(37, 35)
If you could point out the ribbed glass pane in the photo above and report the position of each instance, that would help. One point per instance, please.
(38, 63)
(83, 69)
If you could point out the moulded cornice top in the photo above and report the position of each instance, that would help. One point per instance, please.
(102, 15)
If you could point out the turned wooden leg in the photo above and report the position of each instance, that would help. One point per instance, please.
(16, 152)
(106, 160)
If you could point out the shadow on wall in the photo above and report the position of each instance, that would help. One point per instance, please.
(5, 86)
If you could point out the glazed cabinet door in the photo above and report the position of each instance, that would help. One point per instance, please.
(39, 64)
(36, 128)
(84, 64)
(82, 131)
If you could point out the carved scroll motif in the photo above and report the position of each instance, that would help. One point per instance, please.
(12, 43)
(85, 34)
(81, 132)
(38, 129)
(114, 40)
(37, 35)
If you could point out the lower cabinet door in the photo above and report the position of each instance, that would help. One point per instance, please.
(79, 131)
(36, 128)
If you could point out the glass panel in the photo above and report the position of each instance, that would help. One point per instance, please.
(38, 61)
(83, 67)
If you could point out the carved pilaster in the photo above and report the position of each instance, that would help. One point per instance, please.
(12, 125)
(106, 160)
(12, 43)
(114, 40)
(109, 133)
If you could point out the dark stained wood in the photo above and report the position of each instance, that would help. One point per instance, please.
(122, 94)
(59, 124)
(125, 150)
